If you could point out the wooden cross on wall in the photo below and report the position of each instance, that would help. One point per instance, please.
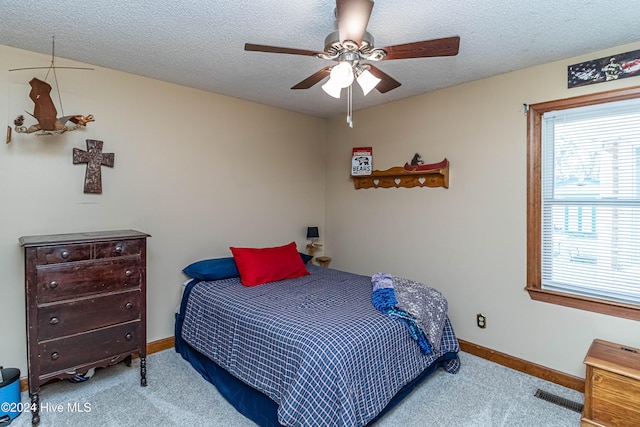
(95, 159)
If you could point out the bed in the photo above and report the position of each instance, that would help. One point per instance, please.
(304, 351)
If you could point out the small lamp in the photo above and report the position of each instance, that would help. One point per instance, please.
(312, 235)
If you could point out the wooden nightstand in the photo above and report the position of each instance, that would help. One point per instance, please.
(612, 385)
(323, 261)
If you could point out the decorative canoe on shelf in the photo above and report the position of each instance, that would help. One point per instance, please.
(408, 176)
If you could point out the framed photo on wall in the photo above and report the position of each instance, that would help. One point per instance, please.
(604, 69)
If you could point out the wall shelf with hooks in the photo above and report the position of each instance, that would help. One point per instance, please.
(407, 176)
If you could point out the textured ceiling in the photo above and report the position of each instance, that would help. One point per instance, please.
(200, 43)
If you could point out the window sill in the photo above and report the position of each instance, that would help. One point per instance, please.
(585, 303)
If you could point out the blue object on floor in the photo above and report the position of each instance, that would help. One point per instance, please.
(9, 394)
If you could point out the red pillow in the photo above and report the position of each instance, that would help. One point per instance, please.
(263, 265)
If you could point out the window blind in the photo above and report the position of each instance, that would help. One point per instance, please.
(591, 201)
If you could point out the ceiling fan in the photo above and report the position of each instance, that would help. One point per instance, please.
(351, 45)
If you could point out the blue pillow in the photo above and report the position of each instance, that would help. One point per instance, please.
(305, 258)
(212, 269)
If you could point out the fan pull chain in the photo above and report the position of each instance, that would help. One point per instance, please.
(350, 106)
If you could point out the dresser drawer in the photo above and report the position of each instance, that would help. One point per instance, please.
(60, 319)
(118, 248)
(616, 399)
(67, 353)
(60, 254)
(64, 281)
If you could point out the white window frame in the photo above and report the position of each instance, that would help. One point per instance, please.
(535, 215)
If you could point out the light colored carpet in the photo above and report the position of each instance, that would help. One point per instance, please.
(481, 394)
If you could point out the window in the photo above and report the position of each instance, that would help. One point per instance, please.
(583, 202)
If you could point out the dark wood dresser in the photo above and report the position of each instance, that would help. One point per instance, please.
(612, 386)
(85, 304)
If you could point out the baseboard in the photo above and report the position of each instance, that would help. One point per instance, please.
(152, 347)
(524, 366)
(159, 345)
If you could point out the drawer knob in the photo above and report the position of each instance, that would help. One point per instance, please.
(55, 355)
(64, 254)
(128, 305)
(54, 320)
(128, 273)
(53, 284)
(118, 249)
(128, 336)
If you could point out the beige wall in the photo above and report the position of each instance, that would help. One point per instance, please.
(197, 171)
(469, 241)
(200, 172)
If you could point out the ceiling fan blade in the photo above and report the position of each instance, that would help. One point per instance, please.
(437, 47)
(387, 82)
(276, 49)
(313, 79)
(353, 17)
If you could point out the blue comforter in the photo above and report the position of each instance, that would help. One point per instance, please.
(315, 345)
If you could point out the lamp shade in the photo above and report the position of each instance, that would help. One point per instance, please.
(367, 81)
(332, 89)
(342, 74)
(312, 233)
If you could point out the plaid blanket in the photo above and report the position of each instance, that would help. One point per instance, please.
(315, 345)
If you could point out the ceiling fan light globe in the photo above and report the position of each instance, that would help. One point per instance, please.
(342, 74)
(367, 81)
(332, 89)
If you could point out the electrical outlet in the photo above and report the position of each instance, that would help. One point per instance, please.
(481, 320)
